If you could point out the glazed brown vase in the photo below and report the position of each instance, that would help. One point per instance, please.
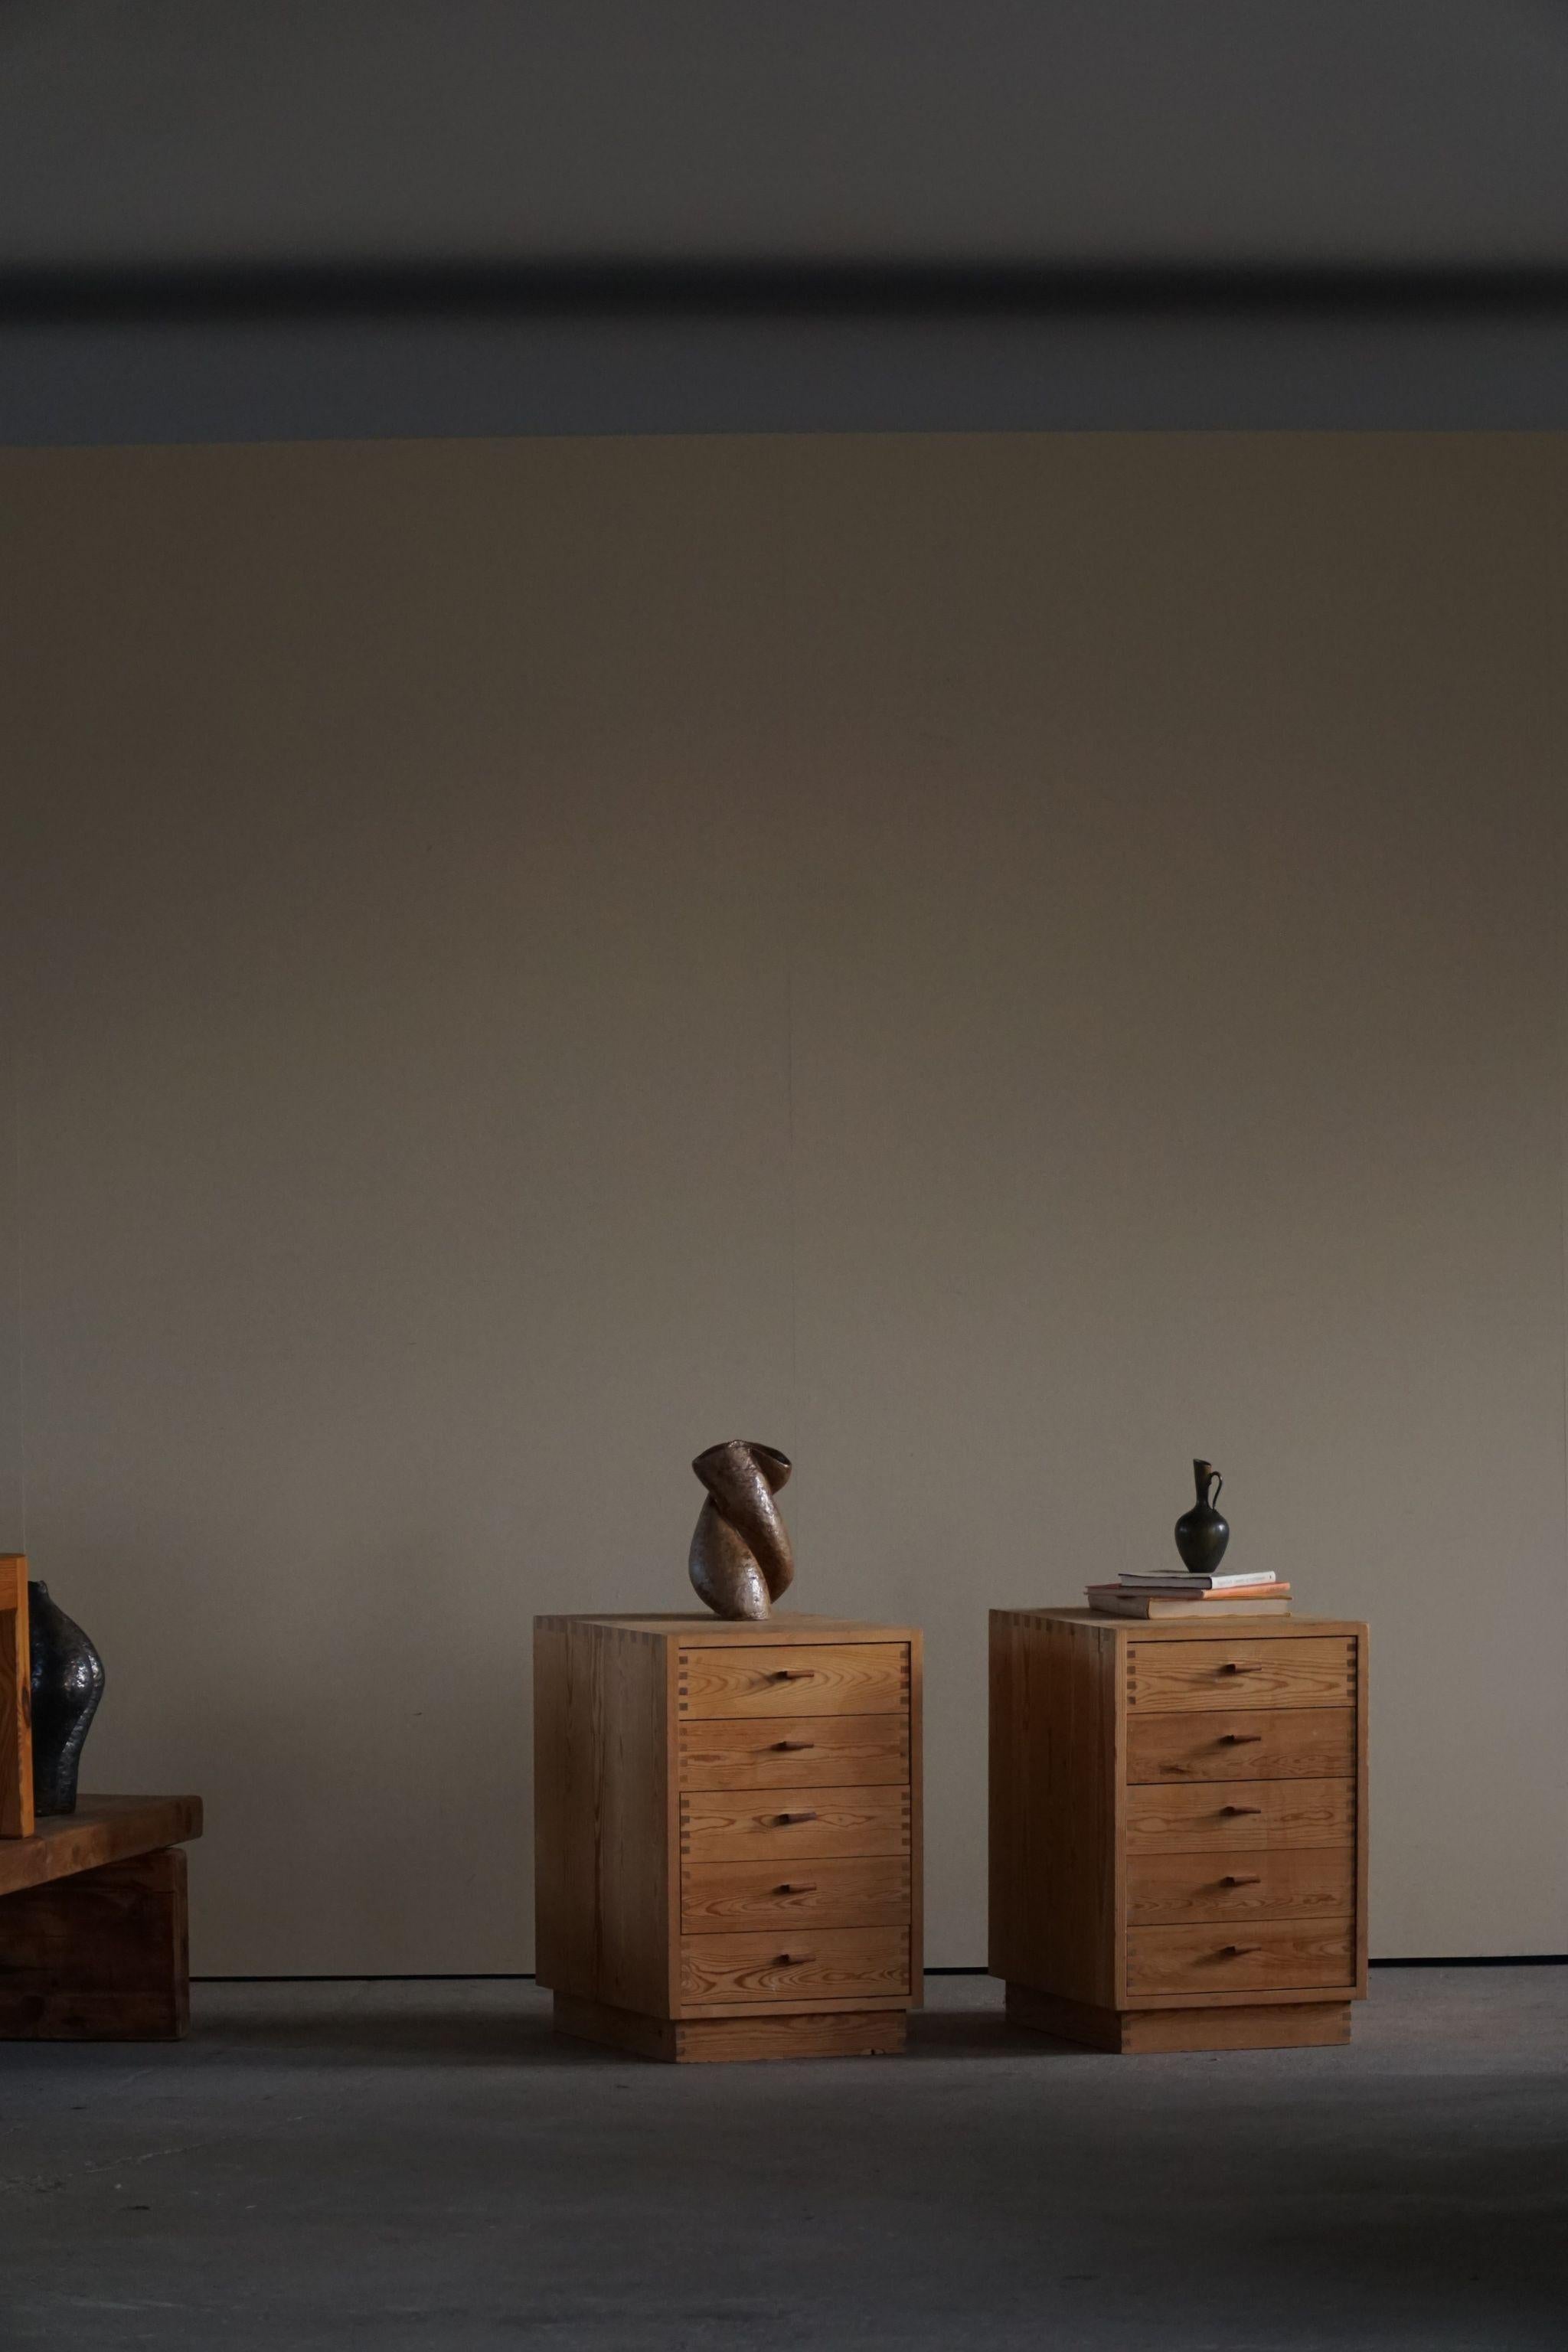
(740, 1561)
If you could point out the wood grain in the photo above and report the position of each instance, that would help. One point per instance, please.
(102, 1955)
(791, 1826)
(854, 1678)
(1261, 1956)
(101, 1830)
(1239, 1816)
(1172, 1890)
(1055, 1803)
(1309, 1671)
(804, 1751)
(602, 1798)
(699, 2041)
(1282, 1743)
(915, 1651)
(864, 1891)
(15, 1701)
(1281, 2025)
(1362, 1841)
(796, 1965)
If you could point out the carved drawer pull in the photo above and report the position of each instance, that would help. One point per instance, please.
(1242, 1878)
(1232, 1666)
(795, 1817)
(793, 1747)
(1239, 1951)
(790, 1675)
(1241, 1809)
(1239, 1738)
(793, 1959)
(803, 1886)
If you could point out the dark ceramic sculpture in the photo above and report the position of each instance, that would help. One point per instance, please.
(741, 1561)
(1201, 1534)
(68, 1682)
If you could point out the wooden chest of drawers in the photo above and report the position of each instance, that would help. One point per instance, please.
(1178, 1828)
(727, 1827)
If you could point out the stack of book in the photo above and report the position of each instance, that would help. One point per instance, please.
(1177, 1593)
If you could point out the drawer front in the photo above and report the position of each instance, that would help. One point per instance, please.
(1283, 1956)
(854, 1678)
(820, 1964)
(1240, 1814)
(1174, 1890)
(1264, 1743)
(791, 1824)
(1305, 1670)
(864, 1891)
(803, 1751)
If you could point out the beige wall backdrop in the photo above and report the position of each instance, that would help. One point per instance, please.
(996, 964)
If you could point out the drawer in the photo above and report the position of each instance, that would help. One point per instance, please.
(788, 1824)
(854, 1678)
(1173, 1890)
(1240, 1814)
(1279, 1956)
(1264, 1743)
(1307, 1670)
(806, 1750)
(862, 1890)
(818, 1964)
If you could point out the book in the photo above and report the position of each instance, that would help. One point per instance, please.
(1218, 1581)
(1193, 1589)
(1110, 1600)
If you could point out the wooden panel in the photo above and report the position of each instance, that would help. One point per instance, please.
(1055, 1803)
(916, 1654)
(1239, 1815)
(1261, 1956)
(1309, 1671)
(1285, 2025)
(836, 1962)
(602, 1800)
(693, 2041)
(101, 1830)
(1281, 2025)
(803, 1751)
(1302, 1883)
(865, 2034)
(101, 1957)
(1361, 1812)
(793, 1825)
(862, 1892)
(15, 1701)
(700, 1629)
(1264, 1743)
(853, 1678)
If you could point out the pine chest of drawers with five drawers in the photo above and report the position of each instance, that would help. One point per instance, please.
(728, 1833)
(1178, 1828)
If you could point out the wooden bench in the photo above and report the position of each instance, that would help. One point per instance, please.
(93, 1936)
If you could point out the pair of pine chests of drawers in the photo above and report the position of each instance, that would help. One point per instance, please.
(728, 1833)
(1178, 1828)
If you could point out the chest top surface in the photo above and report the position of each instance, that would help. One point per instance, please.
(721, 1633)
(1238, 1628)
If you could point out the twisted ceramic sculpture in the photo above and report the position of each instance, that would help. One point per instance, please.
(741, 1561)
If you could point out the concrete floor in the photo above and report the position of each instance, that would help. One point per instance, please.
(325, 2167)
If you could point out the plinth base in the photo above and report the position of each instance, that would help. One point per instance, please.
(697, 2041)
(1267, 2025)
(93, 1938)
